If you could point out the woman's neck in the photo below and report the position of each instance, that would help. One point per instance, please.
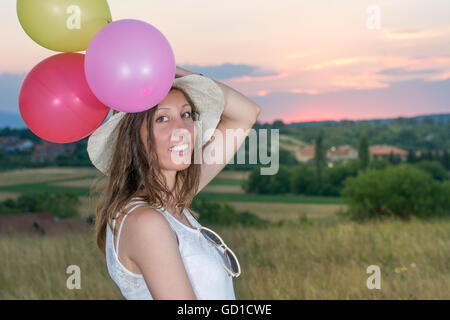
(168, 205)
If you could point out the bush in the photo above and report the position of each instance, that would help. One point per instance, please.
(434, 168)
(341, 171)
(62, 205)
(286, 157)
(90, 219)
(401, 191)
(304, 181)
(214, 213)
(268, 184)
(379, 164)
(442, 197)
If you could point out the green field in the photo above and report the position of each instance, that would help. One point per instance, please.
(320, 256)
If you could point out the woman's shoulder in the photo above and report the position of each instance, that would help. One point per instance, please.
(147, 230)
(146, 217)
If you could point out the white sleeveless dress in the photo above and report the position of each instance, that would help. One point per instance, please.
(203, 262)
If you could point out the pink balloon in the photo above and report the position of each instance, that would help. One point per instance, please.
(130, 65)
(56, 102)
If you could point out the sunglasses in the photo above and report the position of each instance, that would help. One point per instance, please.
(232, 267)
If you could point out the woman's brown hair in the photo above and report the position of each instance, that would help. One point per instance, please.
(133, 171)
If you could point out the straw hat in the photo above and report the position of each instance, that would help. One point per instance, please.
(207, 97)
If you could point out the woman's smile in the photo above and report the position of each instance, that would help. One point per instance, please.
(181, 149)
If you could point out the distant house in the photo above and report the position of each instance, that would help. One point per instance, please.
(7, 142)
(347, 152)
(306, 154)
(384, 151)
(40, 223)
(341, 153)
(48, 151)
(12, 143)
(24, 145)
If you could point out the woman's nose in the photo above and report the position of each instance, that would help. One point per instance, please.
(180, 132)
(180, 124)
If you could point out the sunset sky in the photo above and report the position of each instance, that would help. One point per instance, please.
(299, 60)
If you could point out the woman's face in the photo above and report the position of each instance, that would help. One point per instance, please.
(173, 125)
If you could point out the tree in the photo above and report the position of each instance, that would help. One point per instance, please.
(394, 159)
(286, 157)
(303, 178)
(363, 152)
(278, 124)
(429, 155)
(279, 183)
(319, 157)
(428, 121)
(445, 160)
(434, 168)
(257, 183)
(341, 171)
(391, 158)
(378, 164)
(411, 156)
(62, 205)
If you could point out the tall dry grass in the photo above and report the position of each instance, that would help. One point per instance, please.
(34, 267)
(303, 261)
(314, 261)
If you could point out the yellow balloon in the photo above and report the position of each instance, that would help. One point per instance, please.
(63, 25)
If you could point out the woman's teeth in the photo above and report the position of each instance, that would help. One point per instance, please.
(181, 147)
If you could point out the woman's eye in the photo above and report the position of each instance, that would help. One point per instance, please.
(160, 118)
(189, 116)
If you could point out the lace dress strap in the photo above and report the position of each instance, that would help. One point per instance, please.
(133, 205)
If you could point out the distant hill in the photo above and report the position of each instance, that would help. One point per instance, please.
(12, 120)
(443, 117)
(291, 143)
(15, 121)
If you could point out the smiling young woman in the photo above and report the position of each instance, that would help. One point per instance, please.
(164, 252)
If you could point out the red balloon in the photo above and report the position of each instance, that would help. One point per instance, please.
(56, 102)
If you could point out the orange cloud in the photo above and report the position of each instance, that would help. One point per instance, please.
(308, 91)
(417, 34)
(262, 93)
(359, 81)
(341, 62)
